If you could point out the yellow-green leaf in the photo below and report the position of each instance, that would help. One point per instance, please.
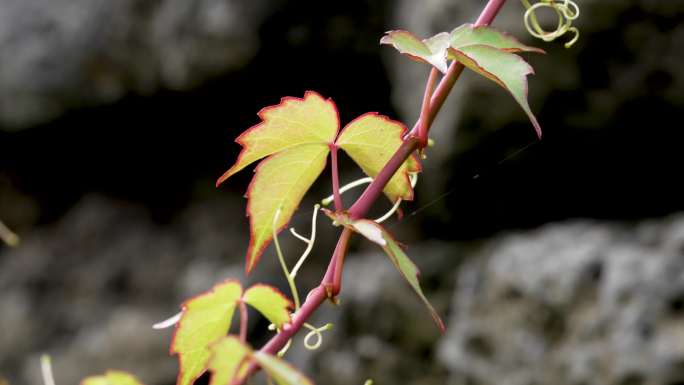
(280, 184)
(206, 319)
(280, 371)
(270, 302)
(112, 377)
(504, 68)
(431, 50)
(371, 140)
(469, 34)
(291, 123)
(229, 359)
(295, 136)
(377, 234)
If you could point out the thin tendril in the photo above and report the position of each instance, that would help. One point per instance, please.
(285, 348)
(346, 188)
(390, 212)
(413, 178)
(310, 242)
(566, 10)
(317, 333)
(281, 258)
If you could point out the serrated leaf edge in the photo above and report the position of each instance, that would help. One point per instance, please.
(240, 139)
(529, 70)
(403, 133)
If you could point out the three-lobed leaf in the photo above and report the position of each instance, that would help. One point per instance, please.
(112, 377)
(280, 183)
(371, 140)
(206, 319)
(377, 234)
(295, 137)
(485, 50)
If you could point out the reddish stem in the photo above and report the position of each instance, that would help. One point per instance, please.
(243, 322)
(425, 120)
(328, 286)
(335, 178)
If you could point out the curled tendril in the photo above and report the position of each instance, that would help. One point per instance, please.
(567, 12)
(315, 333)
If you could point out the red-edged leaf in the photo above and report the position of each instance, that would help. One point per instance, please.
(295, 136)
(280, 183)
(431, 50)
(470, 34)
(206, 319)
(504, 68)
(270, 302)
(371, 140)
(378, 235)
(293, 122)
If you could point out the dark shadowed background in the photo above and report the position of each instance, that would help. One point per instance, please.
(553, 262)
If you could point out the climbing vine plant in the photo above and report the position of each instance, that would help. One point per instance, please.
(293, 143)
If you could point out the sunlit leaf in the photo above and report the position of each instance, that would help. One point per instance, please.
(206, 318)
(280, 371)
(280, 183)
(504, 68)
(112, 377)
(229, 359)
(371, 140)
(469, 34)
(293, 122)
(400, 260)
(270, 302)
(295, 136)
(431, 51)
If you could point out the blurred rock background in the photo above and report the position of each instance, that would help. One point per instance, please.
(554, 262)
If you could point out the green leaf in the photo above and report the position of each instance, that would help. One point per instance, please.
(295, 135)
(469, 34)
(293, 122)
(280, 183)
(269, 302)
(229, 358)
(280, 371)
(206, 318)
(371, 140)
(431, 50)
(112, 377)
(504, 68)
(377, 234)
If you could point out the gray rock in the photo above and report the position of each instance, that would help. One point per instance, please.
(61, 54)
(572, 303)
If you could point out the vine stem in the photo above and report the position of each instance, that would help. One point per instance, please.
(330, 286)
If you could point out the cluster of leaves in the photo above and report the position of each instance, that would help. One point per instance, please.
(485, 50)
(295, 139)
